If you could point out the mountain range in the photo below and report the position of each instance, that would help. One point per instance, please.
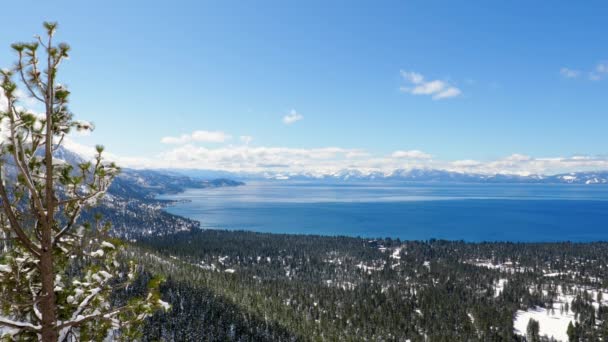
(405, 175)
(412, 175)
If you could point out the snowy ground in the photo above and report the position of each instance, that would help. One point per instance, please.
(499, 286)
(504, 267)
(551, 324)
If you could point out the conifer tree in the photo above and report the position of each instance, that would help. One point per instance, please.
(571, 332)
(57, 273)
(532, 331)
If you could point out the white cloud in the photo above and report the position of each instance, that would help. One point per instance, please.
(184, 138)
(292, 117)
(599, 72)
(246, 139)
(85, 151)
(437, 89)
(331, 160)
(516, 157)
(248, 158)
(429, 88)
(357, 154)
(24, 101)
(594, 76)
(466, 163)
(197, 136)
(210, 136)
(569, 73)
(412, 76)
(447, 93)
(412, 154)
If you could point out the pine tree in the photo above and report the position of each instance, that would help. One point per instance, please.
(571, 331)
(532, 331)
(57, 274)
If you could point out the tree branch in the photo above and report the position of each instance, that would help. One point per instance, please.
(21, 164)
(23, 238)
(19, 325)
(25, 81)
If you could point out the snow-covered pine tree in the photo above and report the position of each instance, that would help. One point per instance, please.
(56, 273)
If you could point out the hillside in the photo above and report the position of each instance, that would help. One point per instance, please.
(131, 204)
(247, 286)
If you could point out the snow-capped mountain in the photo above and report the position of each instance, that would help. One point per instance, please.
(582, 178)
(346, 175)
(412, 175)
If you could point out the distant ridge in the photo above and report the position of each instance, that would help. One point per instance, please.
(412, 175)
(405, 175)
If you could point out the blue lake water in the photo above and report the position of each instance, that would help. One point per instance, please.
(470, 212)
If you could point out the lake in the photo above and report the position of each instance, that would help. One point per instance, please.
(470, 212)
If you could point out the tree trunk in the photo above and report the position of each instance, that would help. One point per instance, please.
(47, 272)
(47, 304)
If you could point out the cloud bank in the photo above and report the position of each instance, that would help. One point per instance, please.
(329, 160)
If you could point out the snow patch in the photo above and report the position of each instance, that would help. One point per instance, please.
(166, 306)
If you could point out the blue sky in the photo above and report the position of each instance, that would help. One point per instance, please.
(520, 80)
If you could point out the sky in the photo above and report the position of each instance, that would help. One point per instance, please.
(319, 86)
